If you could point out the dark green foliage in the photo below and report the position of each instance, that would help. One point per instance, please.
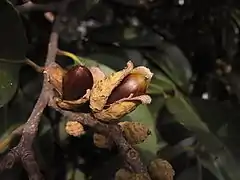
(181, 44)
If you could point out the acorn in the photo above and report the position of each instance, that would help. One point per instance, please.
(76, 82)
(135, 84)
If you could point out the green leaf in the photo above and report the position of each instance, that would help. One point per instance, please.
(173, 63)
(8, 81)
(13, 40)
(150, 146)
(132, 3)
(160, 84)
(126, 36)
(223, 161)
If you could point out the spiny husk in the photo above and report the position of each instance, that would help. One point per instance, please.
(160, 169)
(74, 128)
(135, 132)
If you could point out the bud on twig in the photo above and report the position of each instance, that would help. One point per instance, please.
(123, 174)
(101, 141)
(135, 132)
(160, 169)
(74, 128)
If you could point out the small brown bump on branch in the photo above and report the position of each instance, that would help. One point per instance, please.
(74, 128)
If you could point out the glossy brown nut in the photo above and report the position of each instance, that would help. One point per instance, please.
(133, 84)
(76, 82)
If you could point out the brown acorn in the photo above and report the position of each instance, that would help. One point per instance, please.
(134, 83)
(76, 82)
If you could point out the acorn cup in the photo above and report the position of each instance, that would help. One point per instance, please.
(120, 93)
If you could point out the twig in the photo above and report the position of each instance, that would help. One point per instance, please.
(34, 65)
(23, 151)
(30, 6)
(26, 61)
(130, 155)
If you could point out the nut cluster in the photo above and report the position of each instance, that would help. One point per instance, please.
(110, 97)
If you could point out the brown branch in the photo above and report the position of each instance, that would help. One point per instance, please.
(30, 6)
(130, 155)
(23, 151)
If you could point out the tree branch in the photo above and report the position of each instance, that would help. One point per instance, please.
(30, 6)
(129, 154)
(23, 151)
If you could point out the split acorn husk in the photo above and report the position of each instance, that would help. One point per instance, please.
(120, 93)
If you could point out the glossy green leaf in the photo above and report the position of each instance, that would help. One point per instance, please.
(185, 113)
(13, 44)
(132, 3)
(127, 36)
(8, 81)
(173, 63)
